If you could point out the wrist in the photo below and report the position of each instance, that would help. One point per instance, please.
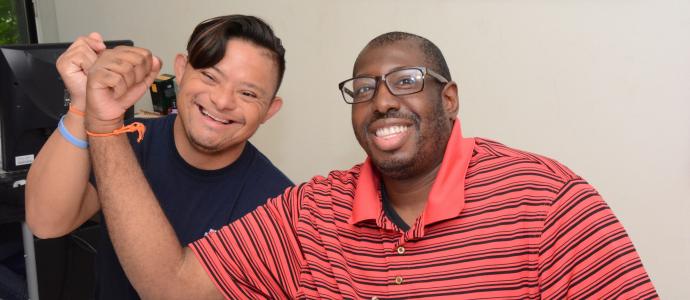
(78, 105)
(94, 125)
(75, 124)
(76, 141)
(76, 101)
(76, 111)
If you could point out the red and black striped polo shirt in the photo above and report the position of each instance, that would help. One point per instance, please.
(499, 223)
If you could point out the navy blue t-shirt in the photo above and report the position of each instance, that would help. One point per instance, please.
(195, 201)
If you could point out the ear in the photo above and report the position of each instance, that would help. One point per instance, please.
(451, 100)
(273, 108)
(180, 66)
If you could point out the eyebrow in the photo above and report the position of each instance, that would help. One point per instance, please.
(219, 71)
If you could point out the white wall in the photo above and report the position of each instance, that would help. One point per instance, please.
(603, 86)
(46, 21)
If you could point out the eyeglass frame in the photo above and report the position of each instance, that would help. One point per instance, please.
(380, 78)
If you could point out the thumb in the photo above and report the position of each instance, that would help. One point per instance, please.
(96, 36)
(96, 42)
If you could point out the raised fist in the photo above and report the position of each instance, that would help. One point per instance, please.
(116, 81)
(74, 64)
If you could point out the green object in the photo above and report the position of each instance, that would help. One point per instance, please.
(9, 29)
(163, 94)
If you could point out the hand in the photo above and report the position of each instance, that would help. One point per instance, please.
(116, 81)
(74, 63)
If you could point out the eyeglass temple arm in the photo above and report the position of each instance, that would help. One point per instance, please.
(438, 76)
(349, 92)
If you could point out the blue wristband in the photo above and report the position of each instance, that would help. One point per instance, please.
(69, 137)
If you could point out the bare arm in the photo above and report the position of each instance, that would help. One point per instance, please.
(152, 257)
(147, 247)
(59, 196)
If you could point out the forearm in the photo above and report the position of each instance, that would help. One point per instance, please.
(57, 184)
(144, 240)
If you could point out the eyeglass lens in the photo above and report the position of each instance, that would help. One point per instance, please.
(399, 82)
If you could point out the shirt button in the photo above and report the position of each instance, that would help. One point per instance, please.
(398, 280)
(401, 250)
(374, 298)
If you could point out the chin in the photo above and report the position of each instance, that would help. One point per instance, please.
(206, 147)
(396, 168)
(205, 144)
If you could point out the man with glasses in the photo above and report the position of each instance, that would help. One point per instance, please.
(428, 214)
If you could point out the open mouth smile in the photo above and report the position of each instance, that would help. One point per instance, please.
(220, 120)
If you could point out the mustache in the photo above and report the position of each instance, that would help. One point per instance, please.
(394, 114)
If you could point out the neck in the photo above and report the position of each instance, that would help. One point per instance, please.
(200, 159)
(409, 196)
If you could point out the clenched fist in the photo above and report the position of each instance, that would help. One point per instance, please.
(116, 81)
(74, 64)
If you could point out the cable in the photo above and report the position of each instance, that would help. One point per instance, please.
(83, 243)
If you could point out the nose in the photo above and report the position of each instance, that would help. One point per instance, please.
(383, 99)
(223, 99)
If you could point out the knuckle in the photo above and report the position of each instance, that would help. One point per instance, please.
(80, 40)
(117, 61)
(106, 53)
(108, 78)
(147, 52)
(140, 60)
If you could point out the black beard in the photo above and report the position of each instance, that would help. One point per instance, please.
(396, 168)
(439, 133)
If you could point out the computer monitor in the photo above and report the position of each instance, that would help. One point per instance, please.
(32, 99)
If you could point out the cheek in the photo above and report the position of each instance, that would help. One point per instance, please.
(429, 114)
(254, 113)
(359, 119)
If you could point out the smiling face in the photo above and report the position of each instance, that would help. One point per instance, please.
(405, 136)
(220, 107)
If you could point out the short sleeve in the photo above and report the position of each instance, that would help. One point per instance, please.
(257, 256)
(585, 253)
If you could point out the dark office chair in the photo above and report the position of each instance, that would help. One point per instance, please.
(65, 266)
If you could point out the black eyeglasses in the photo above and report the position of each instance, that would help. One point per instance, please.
(399, 82)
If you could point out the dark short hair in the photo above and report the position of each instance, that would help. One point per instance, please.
(432, 53)
(207, 44)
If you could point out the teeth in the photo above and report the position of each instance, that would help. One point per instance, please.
(386, 131)
(205, 113)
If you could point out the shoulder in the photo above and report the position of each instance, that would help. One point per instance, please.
(497, 157)
(336, 183)
(507, 173)
(263, 168)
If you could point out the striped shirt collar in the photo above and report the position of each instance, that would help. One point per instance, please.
(447, 196)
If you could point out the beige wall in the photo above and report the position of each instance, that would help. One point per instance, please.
(602, 86)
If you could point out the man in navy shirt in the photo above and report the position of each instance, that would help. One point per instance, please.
(228, 82)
